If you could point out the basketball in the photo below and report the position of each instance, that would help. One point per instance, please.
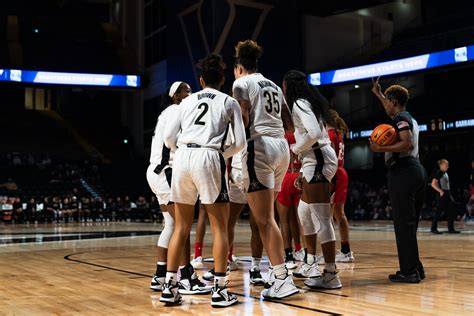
(384, 135)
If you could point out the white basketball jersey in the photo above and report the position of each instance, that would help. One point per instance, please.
(266, 100)
(160, 154)
(205, 118)
(309, 132)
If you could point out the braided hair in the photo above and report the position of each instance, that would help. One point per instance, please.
(297, 87)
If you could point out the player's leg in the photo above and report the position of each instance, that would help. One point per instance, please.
(235, 209)
(197, 261)
(256, 247)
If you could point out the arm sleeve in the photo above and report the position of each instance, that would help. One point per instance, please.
(170, 135)
(310, 124)
(240, 90)
(238, 130)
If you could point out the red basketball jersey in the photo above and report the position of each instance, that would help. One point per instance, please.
(338, 143)
(290, 137)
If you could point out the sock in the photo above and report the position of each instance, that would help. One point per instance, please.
(345, 247)
(256, 262)
(289, 253)
(219, 279)
(297, 246)
(172, 277)
(330, 267)
(310, 259)
(197, 249)
(185, 271)
(160, 269)
(280, 271)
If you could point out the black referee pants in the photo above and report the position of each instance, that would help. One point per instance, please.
(444, 204)
(407, 186)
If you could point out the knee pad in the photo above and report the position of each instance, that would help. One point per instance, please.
(304, 213)
(167, 232)
(321, 213)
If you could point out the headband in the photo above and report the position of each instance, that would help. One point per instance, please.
(174, 87)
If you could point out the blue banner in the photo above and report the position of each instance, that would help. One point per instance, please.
(420, 62)
(69, 78)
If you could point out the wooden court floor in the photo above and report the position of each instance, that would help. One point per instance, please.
(103, 274)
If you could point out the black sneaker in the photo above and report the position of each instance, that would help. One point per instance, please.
(157, 283)
(453, 231)
(405, 278)
(435, 231)
(256, 277)
(170, 295)
(421, 272)
(222, 298)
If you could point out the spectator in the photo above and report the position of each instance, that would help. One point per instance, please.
(359, 212)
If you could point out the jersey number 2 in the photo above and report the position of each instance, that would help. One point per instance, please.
(206, 108)
(271, 101)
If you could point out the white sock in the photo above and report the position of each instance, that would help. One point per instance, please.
(220, 281)
(280, 271)
(330, 267)
(160, 263)
(256, 262)
(171, 277)
(310, 259)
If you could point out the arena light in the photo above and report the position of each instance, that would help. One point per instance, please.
(415, 63)
(422, 127)
(69, 78)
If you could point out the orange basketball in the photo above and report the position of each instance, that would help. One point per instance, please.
(384, 135)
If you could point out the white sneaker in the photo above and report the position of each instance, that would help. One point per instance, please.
(157, 283)
(345, 257)
(233, 266)
(197, 263)
(193, 286)
(208, 275)
(320, 259)
(220, 297)
(299, 255)
(307, 271)
(270, 280)
(280, 289)
(291, 264)
(329, 280)
(170, 295)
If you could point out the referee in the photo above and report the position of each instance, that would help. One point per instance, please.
(407, 181)
(440, 183)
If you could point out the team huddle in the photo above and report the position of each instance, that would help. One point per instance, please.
(262, 146)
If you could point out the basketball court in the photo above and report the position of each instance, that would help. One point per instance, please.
(94, 268)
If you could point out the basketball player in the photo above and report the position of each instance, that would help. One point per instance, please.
(440, 184)
(341, 182)
(265, 114)
(406, 180)
(159, 179)
(200, 170)
(238, 182)
(311, 116)
(287, 205)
